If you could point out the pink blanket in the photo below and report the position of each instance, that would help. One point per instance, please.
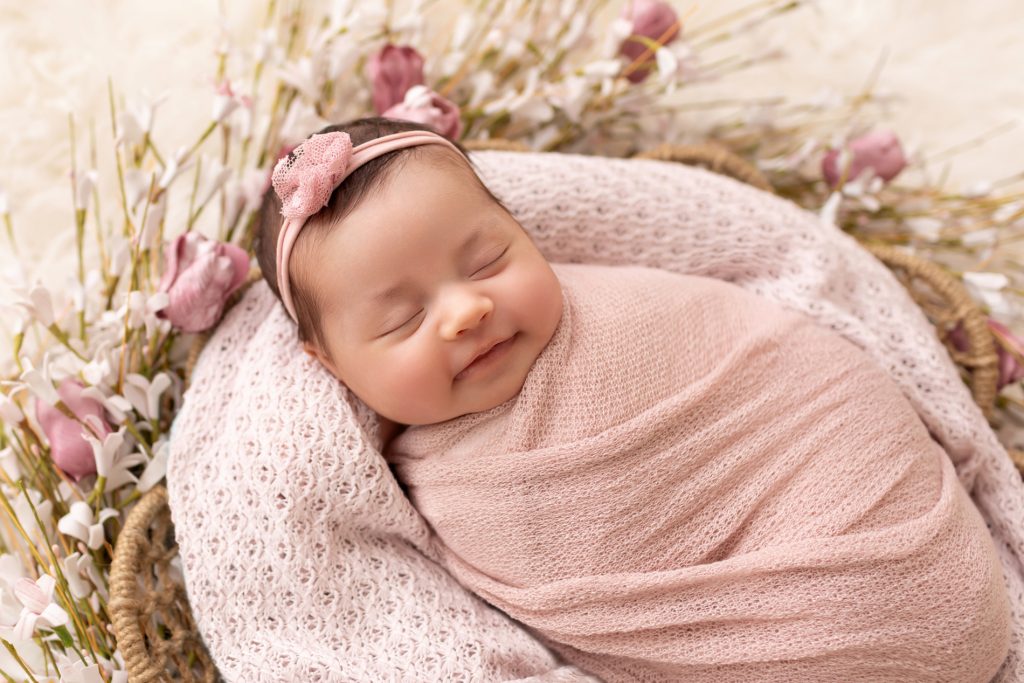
(697, 484)
(303, 559)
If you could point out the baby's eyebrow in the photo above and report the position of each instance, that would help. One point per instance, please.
(395, 291)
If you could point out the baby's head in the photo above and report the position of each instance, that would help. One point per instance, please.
(412, 270)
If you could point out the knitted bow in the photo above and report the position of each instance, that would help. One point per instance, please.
(305, 178)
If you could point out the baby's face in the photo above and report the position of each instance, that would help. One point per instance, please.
(465, 276)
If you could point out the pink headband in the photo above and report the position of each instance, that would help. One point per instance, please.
(305, 179)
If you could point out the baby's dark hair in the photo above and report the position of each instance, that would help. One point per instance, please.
(362, 183)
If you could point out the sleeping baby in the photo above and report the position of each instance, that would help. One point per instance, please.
(662, 477)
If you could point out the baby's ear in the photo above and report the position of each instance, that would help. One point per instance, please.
(315, 352)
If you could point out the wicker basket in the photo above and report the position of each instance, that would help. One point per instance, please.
(149, 608)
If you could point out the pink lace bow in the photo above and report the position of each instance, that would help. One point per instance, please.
(305, 178)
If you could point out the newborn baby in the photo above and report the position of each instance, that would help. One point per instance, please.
(662, 477)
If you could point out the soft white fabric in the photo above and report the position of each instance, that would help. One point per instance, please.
(304, 561)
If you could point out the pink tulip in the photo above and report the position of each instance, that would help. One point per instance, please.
(68, 448)
(1010, 371)
(392, 71)
(200, 276)
(651, 19)
(422, 105)
(879, 150)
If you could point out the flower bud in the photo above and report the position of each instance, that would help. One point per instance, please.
(392, 71)
(879, 150)
(200, 276)
(651, 19)
(422, 105)
(68, 448)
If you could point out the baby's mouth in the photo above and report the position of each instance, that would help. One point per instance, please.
(487, 360)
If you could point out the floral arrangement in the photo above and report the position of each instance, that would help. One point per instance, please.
(96, 377)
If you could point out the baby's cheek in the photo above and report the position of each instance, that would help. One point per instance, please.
(415, 383)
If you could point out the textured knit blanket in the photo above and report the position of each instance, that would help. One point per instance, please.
(304, 560)
(695, 484)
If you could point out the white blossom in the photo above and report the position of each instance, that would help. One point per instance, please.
(136, 186)
(9, 463)
(84, 187)
(175, 166)
(80, 524)
(977, 190)
(987, 287)
(115, 404)
(39, 380)
(225, 101)
(830, 210)
(40, 610)
(36, 303)
(9, 410)
(111, 462)
(303, 77)
(144, 395)
(157, 467)
(925, 226)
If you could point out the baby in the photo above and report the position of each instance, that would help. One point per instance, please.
(662, 477)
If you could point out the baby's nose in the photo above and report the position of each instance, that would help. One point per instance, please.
(465, 311)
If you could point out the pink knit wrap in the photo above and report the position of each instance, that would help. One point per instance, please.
(305, 561)
(695, 484)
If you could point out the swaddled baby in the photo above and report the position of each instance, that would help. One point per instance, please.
(663, 477)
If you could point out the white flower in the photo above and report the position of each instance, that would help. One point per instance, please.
(983, 237)
(982, 188)
(571, 96)
(157, 467)
(141, 311)
(925, 226)
(215, 175)
(145, 396)
(150, 232)
(668, 65)
(266, 48)
(460, 33)
(11, 570)
(224, 102)
(303, 77)
(243, 195)
(22, 510)
(9, 411)
(78, 672)
(137, 119)
(74, 565)
(40, 382)
(35, 302)
(987, 288)
(300, 119)
(136, 186)
(83, 188)
(482, 83)
(37, 597)
(603, 68)
(110, 462)
(100, 371)
(175, 167)
(831, 209)
(9, 463)
(80, 524)
(4, 207)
